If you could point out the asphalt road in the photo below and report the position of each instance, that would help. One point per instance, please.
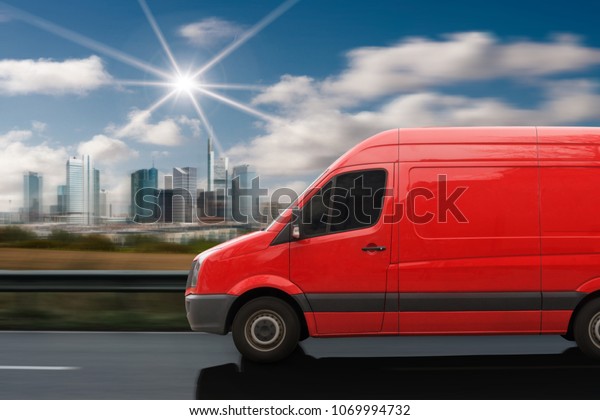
(73, 365)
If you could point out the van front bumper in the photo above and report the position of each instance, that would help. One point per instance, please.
(208, 313)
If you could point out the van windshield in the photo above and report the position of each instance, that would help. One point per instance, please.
(279, 218)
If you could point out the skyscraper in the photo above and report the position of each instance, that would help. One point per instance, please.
(168, 182)
(140, 179)
(96, 186)
(103, 203)
(210, 179)
(220, 173)
(221, 186)
(82, 191)
(61, 200)
(184, 194)
(165, 200)
(243, 206)
(33, 189)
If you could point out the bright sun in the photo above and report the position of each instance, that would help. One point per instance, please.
(192, 84)
(184, 83)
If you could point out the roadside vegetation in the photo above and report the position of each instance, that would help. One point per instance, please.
(21, 249)
(93, 311)
(17, 237)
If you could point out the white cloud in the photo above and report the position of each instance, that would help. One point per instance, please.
(192, 123)
(415, 63)
(288, 91)
(113, 158)
(160, 153)
(310, 140)
(14, 136)
(29, 150)
(398, 86)
(164, 133)
(18, 156)
(167, 132)
(106, 149)
(38, 126)
(43, 76)
(210, 31)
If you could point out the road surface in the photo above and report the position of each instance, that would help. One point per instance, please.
(86, 365)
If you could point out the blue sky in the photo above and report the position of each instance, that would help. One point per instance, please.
(325, 74)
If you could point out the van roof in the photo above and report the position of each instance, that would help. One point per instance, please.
(384, 144)
(498, 134)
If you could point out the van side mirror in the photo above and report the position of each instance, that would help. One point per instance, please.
(295, 223)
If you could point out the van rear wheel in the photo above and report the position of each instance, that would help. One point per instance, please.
(587, 329)
(266, 329)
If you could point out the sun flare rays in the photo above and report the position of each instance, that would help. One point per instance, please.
(176, 82)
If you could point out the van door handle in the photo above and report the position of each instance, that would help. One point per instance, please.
(374, 248)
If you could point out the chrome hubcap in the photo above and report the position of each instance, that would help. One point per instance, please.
(265, 330)
(594, 330)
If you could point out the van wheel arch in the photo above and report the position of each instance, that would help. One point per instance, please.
(586, 329)
(267, 292)
(570, 335)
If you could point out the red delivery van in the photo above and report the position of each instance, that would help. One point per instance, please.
(427, 231)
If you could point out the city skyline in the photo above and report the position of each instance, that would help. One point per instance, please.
(69, 204)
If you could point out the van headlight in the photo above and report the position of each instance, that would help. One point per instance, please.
(192, 279)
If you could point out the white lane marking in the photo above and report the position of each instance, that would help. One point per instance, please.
(39, 368)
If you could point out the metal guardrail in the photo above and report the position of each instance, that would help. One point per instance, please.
(92, 281)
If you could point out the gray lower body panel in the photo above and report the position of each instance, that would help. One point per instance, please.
(208, 313)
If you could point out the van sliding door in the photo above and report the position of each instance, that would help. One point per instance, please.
(472, 265)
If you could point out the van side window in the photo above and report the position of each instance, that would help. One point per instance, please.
(314, 214)
(348, 201)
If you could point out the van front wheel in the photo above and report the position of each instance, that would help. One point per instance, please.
(266, 329)
(587, 329)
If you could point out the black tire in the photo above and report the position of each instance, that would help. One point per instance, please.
(587, 329)
(266, 330)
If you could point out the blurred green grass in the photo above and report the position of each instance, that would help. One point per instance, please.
(93, 311)
(17, 237)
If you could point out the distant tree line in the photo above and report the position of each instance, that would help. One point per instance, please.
(16, 237)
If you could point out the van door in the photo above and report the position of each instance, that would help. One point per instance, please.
(342, 258)
(472, 265)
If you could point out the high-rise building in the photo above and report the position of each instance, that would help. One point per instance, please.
(221, 186)
(96, 194)
(33, 190)
(210, 178)
(244, 207)
(82, 191)
(184, 194)
(165, 201)
(220, 174)
(61, 199)
(103, 203)
(212, 205)
(168, 182)
(140, 179)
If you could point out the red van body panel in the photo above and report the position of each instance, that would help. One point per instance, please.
(382, 147)
(243, 258)
(487, 230)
